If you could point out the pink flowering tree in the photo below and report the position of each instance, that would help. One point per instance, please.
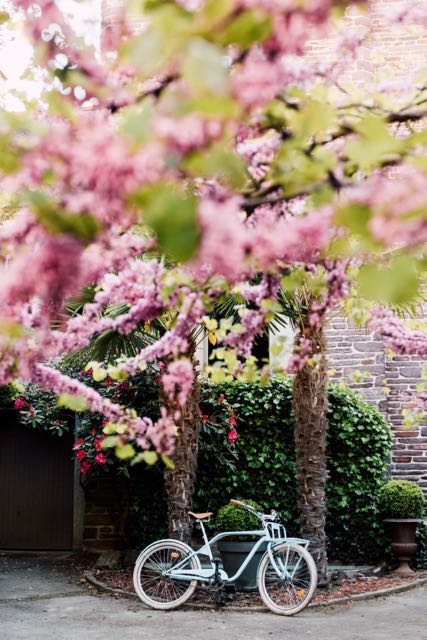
(203, 156)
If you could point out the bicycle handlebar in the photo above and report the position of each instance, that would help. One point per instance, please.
(259, 515)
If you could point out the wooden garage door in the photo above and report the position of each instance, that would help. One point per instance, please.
(36, 488)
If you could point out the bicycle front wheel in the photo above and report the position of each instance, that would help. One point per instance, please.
(151, 585)
(288, 584)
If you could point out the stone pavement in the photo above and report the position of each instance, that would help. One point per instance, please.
(67, 611)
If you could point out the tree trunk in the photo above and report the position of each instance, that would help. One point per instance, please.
(180, 481)
(310, 404)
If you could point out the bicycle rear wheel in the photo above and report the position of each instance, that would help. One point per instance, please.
(151, 585)
(287, 585)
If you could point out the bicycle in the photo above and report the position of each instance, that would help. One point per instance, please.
(167, 572)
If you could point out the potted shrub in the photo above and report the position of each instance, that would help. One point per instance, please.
(234, 549)
(403, 505)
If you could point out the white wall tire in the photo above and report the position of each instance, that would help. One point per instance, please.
(287, 597)
(156, 590)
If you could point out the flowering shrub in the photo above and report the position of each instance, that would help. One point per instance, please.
(40, 410)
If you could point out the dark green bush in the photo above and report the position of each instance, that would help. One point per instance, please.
(231, 517)
(358, 449)
(402, 499)
(420, 560)
(8, 394)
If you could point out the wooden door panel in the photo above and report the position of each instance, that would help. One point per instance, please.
(36, 488)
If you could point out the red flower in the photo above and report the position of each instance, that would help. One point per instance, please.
(57, 422)
(232, 435)
(31, 409)
(108, 381)
(93, 432)
(19, 403)
(85, 466)
(81, 455)
(205, 418)
(232, 420)
(221, 398)
(78, 443)
(100, 458)
(98, 444)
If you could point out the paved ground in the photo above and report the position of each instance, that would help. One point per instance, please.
(68, 611)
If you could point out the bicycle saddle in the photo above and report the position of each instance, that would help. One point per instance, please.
(201, 516)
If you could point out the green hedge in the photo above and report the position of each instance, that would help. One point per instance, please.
(261, 466)
(358, 450)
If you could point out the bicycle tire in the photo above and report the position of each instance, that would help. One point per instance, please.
(152, 587)
(289, 595)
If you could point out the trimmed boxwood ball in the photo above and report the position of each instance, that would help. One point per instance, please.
(230, 517)
(402, 499)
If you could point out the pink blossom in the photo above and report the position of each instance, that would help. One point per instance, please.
(257, 81)
(178, 380)
(100, 458)
(232, 436)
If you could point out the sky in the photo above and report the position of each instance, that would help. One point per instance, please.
(16, 52)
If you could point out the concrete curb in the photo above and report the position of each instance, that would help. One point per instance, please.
(47, 596)
(359, 597)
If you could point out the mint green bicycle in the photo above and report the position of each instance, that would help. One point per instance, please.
(167, 572)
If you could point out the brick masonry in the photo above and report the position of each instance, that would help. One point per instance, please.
(388, 382)
(105, 506)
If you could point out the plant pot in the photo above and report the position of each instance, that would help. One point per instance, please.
(233, 555)
(402, 532)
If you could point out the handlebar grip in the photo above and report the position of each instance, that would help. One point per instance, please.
(238, 502)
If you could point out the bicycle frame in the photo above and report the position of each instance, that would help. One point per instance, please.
(207, 575)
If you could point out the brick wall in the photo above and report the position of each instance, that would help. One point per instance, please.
(389, 383)
(105, 507)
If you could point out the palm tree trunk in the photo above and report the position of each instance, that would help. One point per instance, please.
(180, 481)
(310, 405)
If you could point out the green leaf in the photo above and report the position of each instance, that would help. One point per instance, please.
(395, 283)
(167, 462)
(375, 143)
(249, 27)
(297, 171)
(75, 403)
(9, 159)
(109, 442)
(172, 216)
(314, 118)
(205, 69)
(135, 121)
(82, 226)
(152, 51)
(149, 457)
(355, 217)
(125, 451)
(219, 162)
